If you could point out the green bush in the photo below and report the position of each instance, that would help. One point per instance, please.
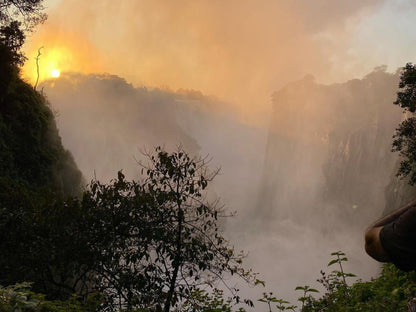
(19, 298)
(390, 292)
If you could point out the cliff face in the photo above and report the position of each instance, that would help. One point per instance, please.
(359, 163)
(31, 152)
(36, 172)
(329, 149)
(107, 123)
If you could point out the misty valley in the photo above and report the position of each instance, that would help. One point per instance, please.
(158, 156)
(306, 185)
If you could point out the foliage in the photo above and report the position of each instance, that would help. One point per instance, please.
(31, 151)
(167, 240)
(16, 18)
(406, 97)
(35, 172)
(12, 37)
(190, 250)
(19, 298)
(390, 292)
(405, 137)
(202, 301)
(28, 12)
(280, 304)
(306, 297)
(149, 245)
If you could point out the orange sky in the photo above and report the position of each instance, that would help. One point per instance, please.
(238, 50)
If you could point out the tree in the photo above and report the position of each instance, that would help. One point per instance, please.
(390, 292)
(27, 12)
(13, 38)
(150, 245)
(167, 243)
(36, 173)
(17, 17)
(405, 137)
(190, 252)
(19, 297)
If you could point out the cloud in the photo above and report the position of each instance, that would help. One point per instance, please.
(237, 50)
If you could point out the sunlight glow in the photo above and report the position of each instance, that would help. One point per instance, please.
(52, 62)
(55, 73)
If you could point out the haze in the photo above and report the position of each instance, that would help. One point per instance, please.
(240, 51)
(202, 73)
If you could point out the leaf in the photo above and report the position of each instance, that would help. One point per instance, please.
(333, 262)
(257, 281)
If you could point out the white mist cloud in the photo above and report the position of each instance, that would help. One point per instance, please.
(237, 50)
(240, 51)
(303, 186)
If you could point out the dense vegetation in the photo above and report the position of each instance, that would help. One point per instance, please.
(405, 137)
(390, 292)
(31, 151)
(35, 171)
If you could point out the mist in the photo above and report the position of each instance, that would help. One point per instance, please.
(328, 174)
(239, 51)
(305, 160)
(303, 185)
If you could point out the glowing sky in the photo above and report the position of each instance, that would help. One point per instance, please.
(238, 50)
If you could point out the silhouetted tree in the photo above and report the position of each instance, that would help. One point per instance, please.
(166, 241)
(150, 245)
(16, 18)
(405, 137)
(28, 12)
(190, 251)
(12, 37)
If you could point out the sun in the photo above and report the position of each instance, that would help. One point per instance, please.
(55, 73)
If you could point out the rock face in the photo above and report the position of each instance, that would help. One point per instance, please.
(107, 123)
(329, 150)
(32, 157)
